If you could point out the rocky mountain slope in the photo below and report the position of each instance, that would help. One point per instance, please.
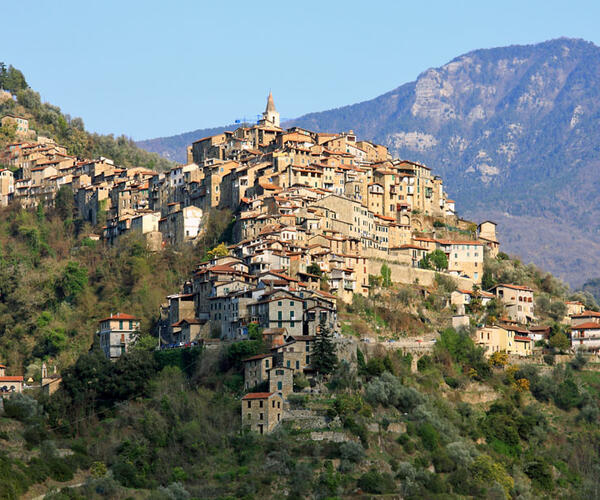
(514, 132)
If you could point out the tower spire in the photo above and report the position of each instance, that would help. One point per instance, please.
(271, 115)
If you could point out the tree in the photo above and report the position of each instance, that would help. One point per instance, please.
(386, 275)
(314, 269)
(72, 282)
(12, 79)
(220, 250)
(560, 342)
(435, 260)
(324, 359)
(499, 358)
(65, 202)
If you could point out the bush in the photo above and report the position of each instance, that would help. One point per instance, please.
(567, 395)
(540, 474)
(376, 482)
(461, 453)
(351, 451)
(59, 469)
(442, 462)
(429, 436)
(387, 390)
(560, 342)
(21, 407)
(452, 382)
(424, 363)
(297, 400)
(579, 361)
(549, 359)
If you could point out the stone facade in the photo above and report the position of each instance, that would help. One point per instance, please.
(262, 411)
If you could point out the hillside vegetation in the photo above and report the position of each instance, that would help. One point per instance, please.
(48, 121)
(151, 427)
(166, 425)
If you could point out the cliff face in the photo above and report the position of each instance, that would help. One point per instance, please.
(514, 132)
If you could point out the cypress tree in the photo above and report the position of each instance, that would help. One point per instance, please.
(324, 358)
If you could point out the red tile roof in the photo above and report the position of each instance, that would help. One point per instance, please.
(587, 326)
(258, 356)
(587, 314)
(120, 316)
(11, 379)
(258, 395)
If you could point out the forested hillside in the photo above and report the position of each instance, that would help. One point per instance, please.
(166, 424)
(48, 121)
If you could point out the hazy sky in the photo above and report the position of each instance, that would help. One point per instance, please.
(155, 68)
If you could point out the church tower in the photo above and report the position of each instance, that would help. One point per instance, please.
(271, 115)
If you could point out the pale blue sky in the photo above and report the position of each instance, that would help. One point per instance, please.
(154, 68)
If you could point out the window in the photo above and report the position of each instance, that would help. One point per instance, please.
(288, 363)
(279, 388)
(266, 363)
(280, 303)
(297, 365)
(249, 416)
(292, 305)
(260, 405)
(262, 416)
(249, 404)
(120, 325)
(131, 325)
(273, 403)
(307, 360)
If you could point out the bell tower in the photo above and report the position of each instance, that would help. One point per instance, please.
(271, 115)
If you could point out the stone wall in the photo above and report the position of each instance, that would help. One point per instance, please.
(410, 275)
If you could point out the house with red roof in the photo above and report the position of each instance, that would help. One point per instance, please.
(262, 411)
(116, 333)
(586, 336)
(9, 384)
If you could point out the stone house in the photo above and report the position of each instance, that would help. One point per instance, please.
(486, 232)
(281, 380)
(262, 411)
(256, 370)
(279, 309)
(518, 301)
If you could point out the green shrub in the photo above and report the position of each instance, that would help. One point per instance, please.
(59, 469)
(376, 482)
(429, 436)
(297, 400)
(21, 407)
(442, 462)
(539, 472)
(567, 395)
(352, 452)
(424, 363)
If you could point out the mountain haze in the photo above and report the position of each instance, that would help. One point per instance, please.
(514, 132)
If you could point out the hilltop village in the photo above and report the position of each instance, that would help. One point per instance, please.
(316, 220)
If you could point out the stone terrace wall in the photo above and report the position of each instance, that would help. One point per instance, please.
(409, 275)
